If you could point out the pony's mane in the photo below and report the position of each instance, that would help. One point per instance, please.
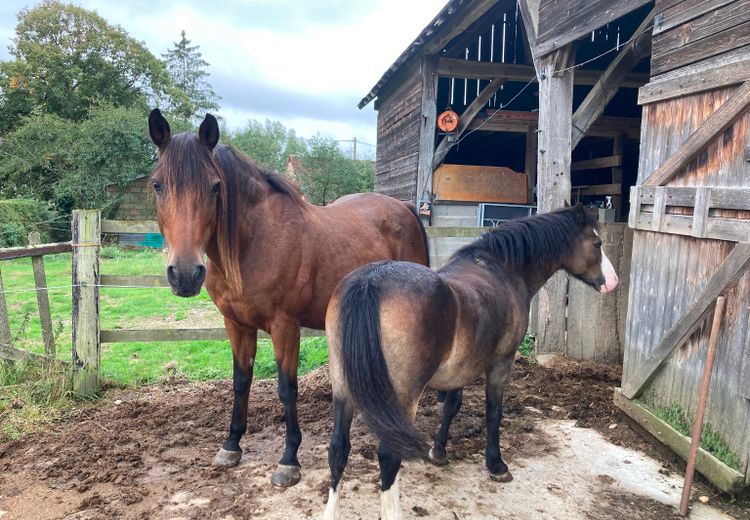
(545, 237)
(183, 170)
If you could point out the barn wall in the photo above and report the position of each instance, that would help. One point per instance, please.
(137, 201)
(668, 270)
(399, 121)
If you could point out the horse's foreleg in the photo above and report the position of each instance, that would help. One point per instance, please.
(244, 343)
(286, 336)
(497, 377)
(338, 454)
(452, 405)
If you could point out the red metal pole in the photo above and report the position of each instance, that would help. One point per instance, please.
(695, 439)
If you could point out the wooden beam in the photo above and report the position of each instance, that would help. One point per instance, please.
(611, 80)
(716, 123)
(725, 277)
(5, 336)
(530, 16)
(204, 334)
(671, 17)
(719, 474)
(471, 69)
(42, 298)
(530, 160)
(520, 122)
(599, 162)
(465, 120)
(458, 47)
(598, 189)
(427, 125)
(30, 251)
(458, 25)
(130, 226)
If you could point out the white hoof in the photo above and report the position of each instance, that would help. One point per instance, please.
(390, 508)
(333, 508)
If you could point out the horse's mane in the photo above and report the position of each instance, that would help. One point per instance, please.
(183, 170)
(545, 237)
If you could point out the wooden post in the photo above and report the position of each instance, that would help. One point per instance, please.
(618, 148)
(4, 323)
(42, 297)
(86, 235)
(428, 122)
(553, 181)
(530, 163)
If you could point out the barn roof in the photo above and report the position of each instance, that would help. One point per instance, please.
(446, 13)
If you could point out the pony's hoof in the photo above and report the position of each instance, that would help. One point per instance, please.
(227, 459)
(437, 456)
(286, 476)
(502, 477)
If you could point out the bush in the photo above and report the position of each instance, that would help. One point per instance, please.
(19, 217)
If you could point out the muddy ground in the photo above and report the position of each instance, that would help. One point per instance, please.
(146, 453)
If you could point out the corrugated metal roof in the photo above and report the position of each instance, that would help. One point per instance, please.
(446, 13)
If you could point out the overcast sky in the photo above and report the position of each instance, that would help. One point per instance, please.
(304, 63)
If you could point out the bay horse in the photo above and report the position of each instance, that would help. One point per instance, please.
(273, 259)
(396, 327)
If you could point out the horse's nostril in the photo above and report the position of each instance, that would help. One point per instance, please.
(171, 273)
(199, 271)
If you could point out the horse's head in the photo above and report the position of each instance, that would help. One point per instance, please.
(188, 186)
(587, 260)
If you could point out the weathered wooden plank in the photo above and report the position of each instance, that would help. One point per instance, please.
(594, 164)
(597, 189)
(458, 182)
(559, 27)
(457, 25)
(725, 276)
(721, 198)
(744, 388)
(723, 41)
(86, 235)
(719, 474)
(660, 206)
(700, 214)
(42, 298)
(5, 337)
(729, 68)
(427, 125)
(530, 160)
(10, 353)
(716, 123)
(130, 226)
(717, 228)
(202, 334)
(688, 10)
(468, 69)
(134, 281)
(30, 251)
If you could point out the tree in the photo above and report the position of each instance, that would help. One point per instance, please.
(328, 174)
(269, 143)
(193, 96)
(67, 59)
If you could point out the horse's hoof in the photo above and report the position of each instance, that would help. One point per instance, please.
(502, 477)
(286, 476)
(437, 457)
(227, 459)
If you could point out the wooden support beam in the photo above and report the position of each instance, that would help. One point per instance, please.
(42, 298)
(427, 125)
(724, 278)
(30, 251)
(465, 120)
(458, 24)
(594, 164)
(611, 80)
(716, 123)
(598, 189)
(530, 16)
(530, 163)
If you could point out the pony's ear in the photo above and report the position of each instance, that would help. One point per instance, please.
(208, 132)
(566, 204)
(580, 214)
(158, 128)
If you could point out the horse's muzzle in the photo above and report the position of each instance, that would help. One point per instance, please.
(186, 281)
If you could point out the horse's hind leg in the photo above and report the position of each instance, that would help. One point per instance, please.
(338, 454)
(497, 377)
(390, 508)
(285, 334)
(244, 343)
(453, 400)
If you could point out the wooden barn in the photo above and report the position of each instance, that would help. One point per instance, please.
(637, 109)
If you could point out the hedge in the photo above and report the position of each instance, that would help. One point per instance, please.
(19, 217)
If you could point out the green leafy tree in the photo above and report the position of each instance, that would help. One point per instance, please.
(328, 174)
(269, 143)
(67, 59)
(192, 94)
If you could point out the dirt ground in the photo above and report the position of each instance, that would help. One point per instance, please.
(146, 454)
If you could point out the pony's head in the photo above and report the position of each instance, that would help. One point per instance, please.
(191, 201)
(587, 260)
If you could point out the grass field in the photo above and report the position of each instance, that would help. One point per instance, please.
(134, 363)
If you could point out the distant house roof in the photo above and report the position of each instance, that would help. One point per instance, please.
(445, 14)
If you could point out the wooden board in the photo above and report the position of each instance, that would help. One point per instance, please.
(11, 253)
(149, 335)
(456, 182)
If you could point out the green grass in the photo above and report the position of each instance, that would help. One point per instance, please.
(711, 441)
(527, 347)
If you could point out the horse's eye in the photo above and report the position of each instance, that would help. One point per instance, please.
(215, 188)
(598, 244)
(157, 186)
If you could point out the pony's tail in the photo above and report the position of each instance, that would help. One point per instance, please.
(366, 372)
(426, 242)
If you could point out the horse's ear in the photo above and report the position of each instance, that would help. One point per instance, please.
(566, 204)
(208, 132)
(158, 128)
(580, 214)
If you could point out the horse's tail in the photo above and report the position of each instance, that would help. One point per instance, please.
(366, 372)
(414, 212)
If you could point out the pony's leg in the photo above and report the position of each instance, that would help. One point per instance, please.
(497, 377)
(338, 454)
(453, 400)
(390, 507)
(244, 343)
(285, 335)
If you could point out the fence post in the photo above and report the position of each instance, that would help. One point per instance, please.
(86, 237)
(42, 297)
(4, 323)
